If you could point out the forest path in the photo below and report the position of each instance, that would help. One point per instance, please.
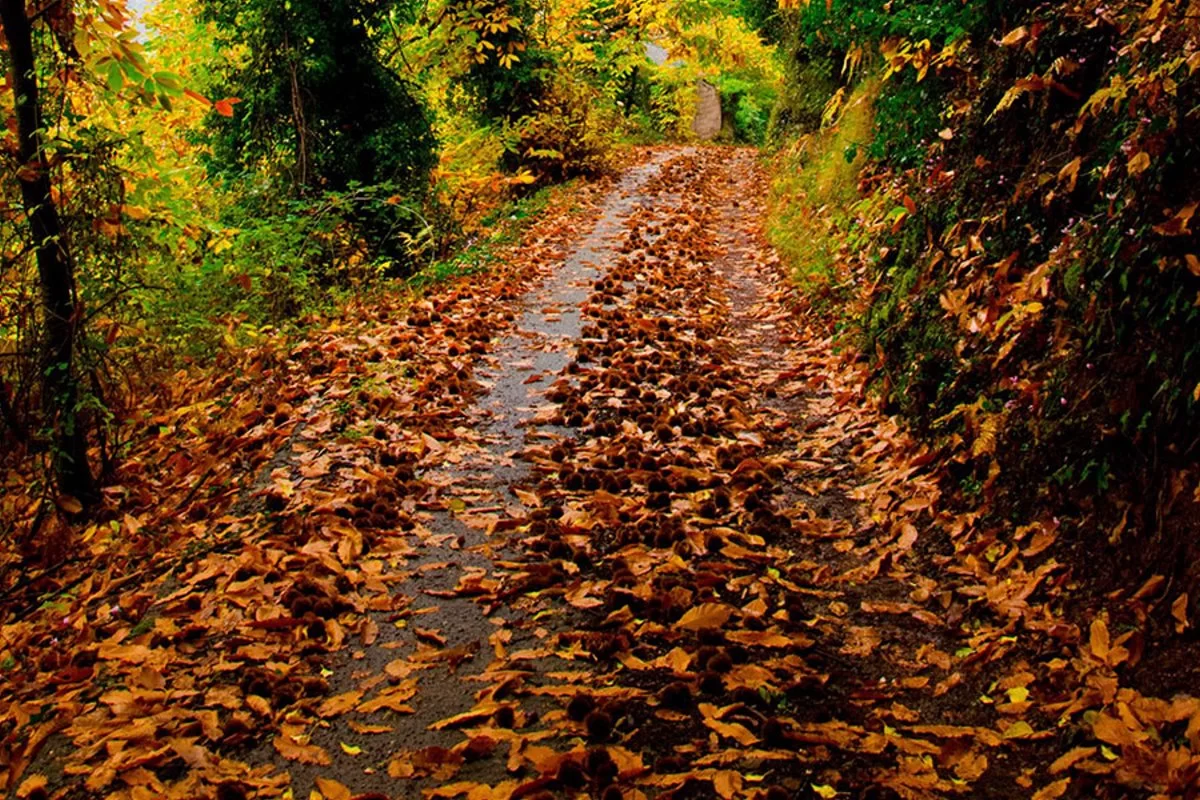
(606, 520)
(616, 582)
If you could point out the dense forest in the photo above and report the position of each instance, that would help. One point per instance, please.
(414, 398)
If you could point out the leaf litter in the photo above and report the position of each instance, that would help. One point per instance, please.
(610, 520)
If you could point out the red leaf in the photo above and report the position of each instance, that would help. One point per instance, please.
(225, 107)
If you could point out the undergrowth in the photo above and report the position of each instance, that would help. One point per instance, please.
(814, 197)
(1005, 223)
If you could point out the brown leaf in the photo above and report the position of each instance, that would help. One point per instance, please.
(1070, 758)
(304, 753)
(727, 783)
(1098, 641)
(392, 698)
(339, 704)
(1179, 611)
(333, 790)
(1053, 791)
(705, 616)
(733, 730)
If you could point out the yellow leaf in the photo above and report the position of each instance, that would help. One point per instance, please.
(1018, 730)
(350, 749)
(824, 791)
(1018, 694)
(1139, 163)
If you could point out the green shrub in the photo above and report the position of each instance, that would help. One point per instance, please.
(908, 116)
(748, 103)
(570, 133)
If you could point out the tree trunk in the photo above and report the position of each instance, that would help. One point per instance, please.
(60, 390)
(298, 116)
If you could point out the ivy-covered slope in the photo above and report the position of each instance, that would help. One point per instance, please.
(1020, 262)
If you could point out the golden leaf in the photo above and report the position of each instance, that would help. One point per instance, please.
(1099, 641)
(705, 615)
(1179, 608)
(1015, 37)
(1139, 163)
(333, 790)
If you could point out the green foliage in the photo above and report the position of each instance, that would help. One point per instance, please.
(840, 25)
(269, 270)
(317, 105)
(750, 103)
(504, 225)
(814, 196)
(908, 116)
(765, 17)
(808, 85)
(510, 74)
(724, 51)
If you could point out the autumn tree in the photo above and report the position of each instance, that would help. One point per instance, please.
(60, 311)
(509, 66)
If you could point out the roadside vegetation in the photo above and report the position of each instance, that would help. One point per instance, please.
(995, 202)
(218, 174)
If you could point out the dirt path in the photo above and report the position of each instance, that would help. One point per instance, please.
(606, 521)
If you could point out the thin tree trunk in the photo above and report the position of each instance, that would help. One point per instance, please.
(60, 390)
(298, 116)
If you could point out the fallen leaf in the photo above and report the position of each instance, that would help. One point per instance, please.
(705, 616)
(304, 753)
(333, 790)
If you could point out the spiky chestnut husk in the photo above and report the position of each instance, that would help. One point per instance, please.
(580, 706)
(677, 695)
(712, 683)
(720, 662)
(599, 725)
(570, 774)
(773, 732)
